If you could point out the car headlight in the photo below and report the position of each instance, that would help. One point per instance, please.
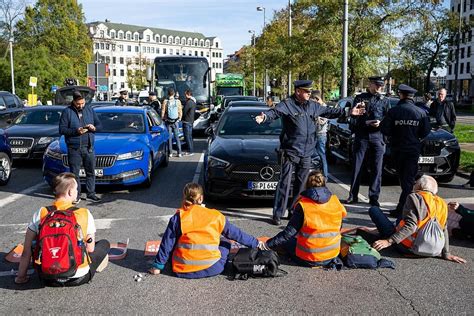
(138, 154)
(53, 154)
(217, 163)
(451, 142)
(46, 140)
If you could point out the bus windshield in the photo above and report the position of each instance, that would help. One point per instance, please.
(227, 91)
(182, 74)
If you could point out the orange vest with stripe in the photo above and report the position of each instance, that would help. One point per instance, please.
(198, 246)
(81, 218)
(319, 238)
(436, 207)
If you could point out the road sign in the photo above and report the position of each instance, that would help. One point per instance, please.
(103, 88)
(32, 99)
(33, 81)
(54, 88)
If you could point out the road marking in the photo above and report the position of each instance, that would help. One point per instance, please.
(197, 172)
(346, 187)
(248, 213)
(14, 272)
(12, 198)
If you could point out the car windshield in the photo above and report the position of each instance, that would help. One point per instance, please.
(243, 124)
(229, 91)
(41, 117)
(113, 122)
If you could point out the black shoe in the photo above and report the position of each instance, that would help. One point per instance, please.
(276, 221)
(76, 201)
(351, 200)
(374, 202)
(94, 198)
(395, 213)
(290, 215)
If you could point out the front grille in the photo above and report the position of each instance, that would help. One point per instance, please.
(21, 142)
(101, 161)
(252, 172)
(431, 148)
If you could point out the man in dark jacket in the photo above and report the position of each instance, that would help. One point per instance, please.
(154, 102)
(443, 111)
(123, 99)
(297, 140)
(78, 124)
(188, 120)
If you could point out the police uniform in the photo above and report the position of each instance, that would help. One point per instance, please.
(406, 125)
(368, 139)
(121, 101)
(297, 143)
(155, 103)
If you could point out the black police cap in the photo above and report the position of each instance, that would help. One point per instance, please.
(123, 92)
(406, 89)
(377, 80)
(303, 84)
(151, 93)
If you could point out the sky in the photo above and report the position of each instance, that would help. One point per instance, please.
(230, 20)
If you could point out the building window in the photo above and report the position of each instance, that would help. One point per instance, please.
(136, 37)
(213, 65)
(462, 52)
(129, 48)
(120, 48)
(112, 34)
(177, 52)
(114, 60)
(152, 50)
(102, 46)
(468, 67)
(469, 51)
(137, 49)
(129, 36)
(107, 46)
(113, 47)
(196, 53)
(171, 51)
(462, 68)
(202, 54)
(148, 38)
(102, 33)
(121, 60)
(157, 50)
(217, 44)
(190, 42)
(213, 54)
(97, 46)
(122, 72)
(114, 72)
(164, 51)
(164, 39)
(465, 5)
(450, 69)
(177, 41)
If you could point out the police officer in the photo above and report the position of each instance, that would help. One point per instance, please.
(154, 102)
(406, 125)
(368, 139)
(122, 100)
(297, 141)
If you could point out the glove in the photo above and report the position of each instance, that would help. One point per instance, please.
(262, 246)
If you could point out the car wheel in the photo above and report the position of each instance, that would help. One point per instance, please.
(149, 178)
(166, 161)
(5, 169)
(446, 178)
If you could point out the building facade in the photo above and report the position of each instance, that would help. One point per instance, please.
(460, 65)
(129, 49)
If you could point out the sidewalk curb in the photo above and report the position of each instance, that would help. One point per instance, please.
(463, 175)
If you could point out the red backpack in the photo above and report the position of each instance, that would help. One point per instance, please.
(60, 247)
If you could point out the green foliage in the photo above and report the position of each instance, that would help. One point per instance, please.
(466, 161)
(464, 133)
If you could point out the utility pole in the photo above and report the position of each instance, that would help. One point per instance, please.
(11, 64)
(289, 37)
(457, 52)
(253, 55)
(344, 49)
(97, 75)
(264, 48)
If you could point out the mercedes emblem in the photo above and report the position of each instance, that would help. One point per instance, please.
(266, 173)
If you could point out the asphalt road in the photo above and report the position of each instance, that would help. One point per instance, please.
(416, 286)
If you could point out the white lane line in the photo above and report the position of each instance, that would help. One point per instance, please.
(197, 172)
(346, 187)
(15, 272)
(12, 198)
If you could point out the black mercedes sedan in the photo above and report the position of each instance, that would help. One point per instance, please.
(32, 132)
(241, 160)
(439, 156)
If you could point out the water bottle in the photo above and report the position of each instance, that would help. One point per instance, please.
(80, 238)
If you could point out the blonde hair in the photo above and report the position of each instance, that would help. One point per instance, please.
(316, 179)
(191, 194)
(63, 182)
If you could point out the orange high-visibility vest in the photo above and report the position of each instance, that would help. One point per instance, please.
(81, 218)
(198, 247)
(436, 207)
(319, 238)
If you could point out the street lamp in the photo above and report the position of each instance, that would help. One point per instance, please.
(11, 64)
(253, 44)
(265, 75)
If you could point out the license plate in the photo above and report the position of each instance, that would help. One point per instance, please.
(19, 150)
(98, 173)
(262, 185)
(424, 160)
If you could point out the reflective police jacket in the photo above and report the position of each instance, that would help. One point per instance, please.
(299, 124)
(378, 106)
(407, 125)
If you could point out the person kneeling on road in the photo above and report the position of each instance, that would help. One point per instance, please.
(421, 206)
(312, 236)
(193, 239)
(93, 253)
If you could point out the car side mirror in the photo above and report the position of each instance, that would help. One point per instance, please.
(3, 107)
(157, 129)
(9, 121)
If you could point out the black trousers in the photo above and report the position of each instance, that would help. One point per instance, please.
(85, 157)
(101, 250)
(375, 148)
(407, 168)
(301, 167)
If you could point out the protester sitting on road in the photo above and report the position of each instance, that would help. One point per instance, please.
(420, 206)
(312, 236)
(466, 224)
(193, 239)
(65, 188)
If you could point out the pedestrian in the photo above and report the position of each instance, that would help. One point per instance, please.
(188, 120)
(154, 102)
(297, 141)
(368, 140)
(65, 190)
(172, 112)
(193, 239)
(312, 236)
(123, 98)
(421, 205)
(269, 101)
(466, 223)
(406, 125)
(321, 133)
(443, 111)
(78, 124)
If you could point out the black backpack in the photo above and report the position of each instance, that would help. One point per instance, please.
(255, 263)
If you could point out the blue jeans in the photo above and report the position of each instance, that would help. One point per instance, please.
(188, 135)
(85, 157)
(321, 151)
(385, 227)
(173, 129)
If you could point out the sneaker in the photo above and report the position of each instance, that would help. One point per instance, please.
(170, 155)
(94, 198)
(76, 201)
(374, 202)
(276, 221)
(180, 155)
(189, 154)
